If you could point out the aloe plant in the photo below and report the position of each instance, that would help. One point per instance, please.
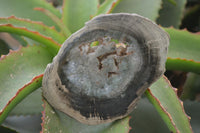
(40, 29)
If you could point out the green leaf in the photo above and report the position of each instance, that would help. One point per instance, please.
(10, 100)
(146, 8)
(18, 70)
(31, 105)
(164, 98)
(107, 6)
(121, 126)
(51, 45)
(55, 121)
(183, 51)
(24, 9)
(34, 26)
(57, 20)
(145, 119)
(170, 14)
(77, 12)
(50, 7)
(24, 124)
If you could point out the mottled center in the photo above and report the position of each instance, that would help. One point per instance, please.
(102, 68)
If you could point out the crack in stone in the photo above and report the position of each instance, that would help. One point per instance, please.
(104, 56)
(111, 73)
(116, 63)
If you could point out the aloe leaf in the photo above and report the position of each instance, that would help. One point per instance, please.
(34, 26)
(121, 126)
(14, 99)
(171, 14)
(55, 121)
(24, 9)
(77, 12)
(107, 7)
(57, 20)
(52, 46)
(145, 8)
(143, 119)
(24, 124)
(31, 105)
(183, 54)
(18, 70)
(164, 98)
(49, 6)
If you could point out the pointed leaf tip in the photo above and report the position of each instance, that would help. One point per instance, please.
(164, 98)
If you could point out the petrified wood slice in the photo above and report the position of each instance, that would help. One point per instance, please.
(102, 70)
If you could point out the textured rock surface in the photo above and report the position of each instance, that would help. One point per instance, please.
(101, 83)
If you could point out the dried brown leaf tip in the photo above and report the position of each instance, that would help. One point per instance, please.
(104, 68)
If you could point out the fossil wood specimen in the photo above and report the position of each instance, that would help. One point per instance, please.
(102, 70)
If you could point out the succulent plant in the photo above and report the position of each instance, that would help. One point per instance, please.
(101, 70)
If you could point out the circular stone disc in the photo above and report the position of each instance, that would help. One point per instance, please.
(102, 70)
